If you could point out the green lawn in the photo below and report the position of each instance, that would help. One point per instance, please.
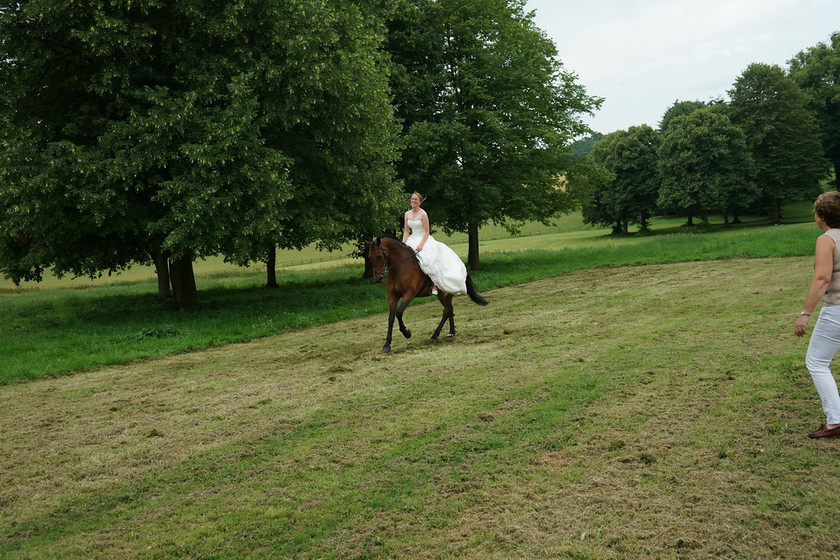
(654, 411)
(65, 326)
(620, 397)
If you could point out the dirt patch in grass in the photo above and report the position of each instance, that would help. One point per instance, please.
(655, 411)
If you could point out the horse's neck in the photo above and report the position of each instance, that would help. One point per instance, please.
(398, 251)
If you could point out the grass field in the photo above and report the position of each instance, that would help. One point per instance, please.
(67, 326)
(655, 411)
(618, 398)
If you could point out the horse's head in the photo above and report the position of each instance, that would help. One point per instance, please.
(387, 252)
(378, 259)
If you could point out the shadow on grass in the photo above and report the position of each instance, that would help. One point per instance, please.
(798, 213)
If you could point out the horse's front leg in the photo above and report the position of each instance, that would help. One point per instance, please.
(400, 310)
(392, 307)
(387, 347)
(448, 315)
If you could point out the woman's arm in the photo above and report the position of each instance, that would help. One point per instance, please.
(425, 218)
(405, 227)
(823, 267)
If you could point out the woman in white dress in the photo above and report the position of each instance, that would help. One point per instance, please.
(442, 264)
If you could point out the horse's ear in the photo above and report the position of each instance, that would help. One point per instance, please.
(367, 243)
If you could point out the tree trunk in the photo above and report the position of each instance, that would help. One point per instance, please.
(368, 273)
(183, 281)
(472, 256)
(162, 271)
(775, 212)
(271, 268)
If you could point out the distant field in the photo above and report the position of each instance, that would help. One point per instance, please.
(311, 256)
(493, 239)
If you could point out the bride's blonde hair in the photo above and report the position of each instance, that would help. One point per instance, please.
(422, 198)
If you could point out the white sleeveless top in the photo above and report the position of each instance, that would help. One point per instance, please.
(832, 293)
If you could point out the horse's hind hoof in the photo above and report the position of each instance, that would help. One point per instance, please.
(407, 334)
(435, 340)
(450, 336)
(386, 349)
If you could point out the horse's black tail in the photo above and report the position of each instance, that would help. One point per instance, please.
(474, 295)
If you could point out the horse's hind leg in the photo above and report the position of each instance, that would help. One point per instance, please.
(451, 324)
(448, 315)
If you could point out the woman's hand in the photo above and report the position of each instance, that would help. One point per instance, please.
(801, 323)
(419, 247)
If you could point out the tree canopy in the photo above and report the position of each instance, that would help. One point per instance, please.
(488, 113)
(705, 166)
(816, 71)
(679, 109)
(629, 194)
(168, 131)
(781, 134)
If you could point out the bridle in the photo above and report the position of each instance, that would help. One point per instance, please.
(427, 282)
(393, 266)
(396, 264)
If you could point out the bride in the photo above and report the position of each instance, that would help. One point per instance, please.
(441, 263)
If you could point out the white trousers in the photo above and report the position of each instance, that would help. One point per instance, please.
(825, 341)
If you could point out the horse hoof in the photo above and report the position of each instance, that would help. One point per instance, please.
(407, 334)
(386, 349)
(450, 336)
(435, 340)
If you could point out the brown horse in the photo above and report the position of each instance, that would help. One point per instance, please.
(396, 264)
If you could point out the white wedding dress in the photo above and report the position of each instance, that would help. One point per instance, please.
(442, 264)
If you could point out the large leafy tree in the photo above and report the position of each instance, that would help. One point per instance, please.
(168, 131)
(781, 133)
(630, 193)
(817, 71)
(584, 146)
(337, 125)
(679, 109)
(488, 113)
(705, 166)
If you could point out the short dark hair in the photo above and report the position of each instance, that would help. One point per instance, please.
(827, 207)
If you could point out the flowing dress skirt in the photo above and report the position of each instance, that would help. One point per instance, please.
(442, 264)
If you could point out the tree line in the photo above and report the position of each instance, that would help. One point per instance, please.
(774, 141)
(156, 132)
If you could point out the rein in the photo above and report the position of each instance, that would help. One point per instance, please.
(413, 255)
(396, 264)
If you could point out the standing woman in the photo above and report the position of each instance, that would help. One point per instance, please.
(442, 264)
(825, 285)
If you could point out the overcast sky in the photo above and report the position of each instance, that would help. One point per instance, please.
(642, 55)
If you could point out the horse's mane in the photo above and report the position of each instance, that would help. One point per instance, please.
(390, 236)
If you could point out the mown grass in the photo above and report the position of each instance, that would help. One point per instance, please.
(65, 329)
(619, 412)
(595, 409)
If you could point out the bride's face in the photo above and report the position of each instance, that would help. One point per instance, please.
(415, 201)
